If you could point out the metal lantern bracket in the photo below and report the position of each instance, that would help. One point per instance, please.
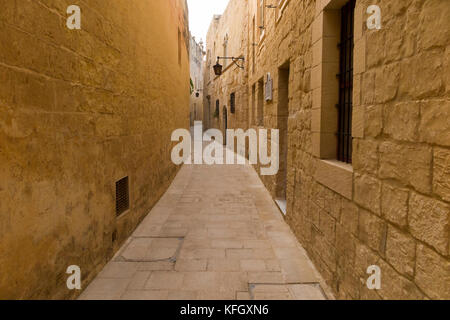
(234, 59)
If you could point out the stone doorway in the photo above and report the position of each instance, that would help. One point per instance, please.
(282, 123)
(225, 124)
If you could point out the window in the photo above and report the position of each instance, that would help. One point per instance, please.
(261, 17)
(253, 44)
(345, 106)
(232, 102)
(225, 50)
(216, 112)
(122, 196)
(260, 105)
(332, 101)
(253, 97)
(208, 111)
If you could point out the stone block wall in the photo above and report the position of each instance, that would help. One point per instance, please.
(79, 110)
(391, 206)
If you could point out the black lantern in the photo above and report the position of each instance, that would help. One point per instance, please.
(217, 69)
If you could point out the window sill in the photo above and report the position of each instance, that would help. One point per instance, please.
(336, 175)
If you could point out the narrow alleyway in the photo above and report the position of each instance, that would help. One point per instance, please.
(215, 234)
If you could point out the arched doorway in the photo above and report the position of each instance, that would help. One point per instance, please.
(225, 124)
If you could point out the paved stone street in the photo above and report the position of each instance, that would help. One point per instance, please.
(215, 234)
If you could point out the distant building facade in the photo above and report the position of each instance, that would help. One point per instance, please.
(227, 37)
(196, 57)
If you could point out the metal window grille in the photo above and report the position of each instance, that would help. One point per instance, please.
(122, 196)
(232, 102)
(345, 105)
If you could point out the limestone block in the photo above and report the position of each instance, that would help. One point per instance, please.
(387, 82)
(394, 204)
(349, 216)
(400, 251)
(368, 193)
(345, 247)
(434, 16)
(372, 231)
(441, 173)
(410, 164)
(432, 273)
(373, 124)
(434, 123)
(429, 221)
(421, 80)
(327, 225)
(365, 156)
(395, 286)
(359, 56)
(376, 43)
(368, 87)
(401, 120)
(364, 258)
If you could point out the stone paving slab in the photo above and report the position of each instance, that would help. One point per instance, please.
(215, 234)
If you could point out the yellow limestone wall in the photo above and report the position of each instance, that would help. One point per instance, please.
(79, 110)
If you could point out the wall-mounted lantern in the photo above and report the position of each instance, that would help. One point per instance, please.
(197, 93)
(218, 67)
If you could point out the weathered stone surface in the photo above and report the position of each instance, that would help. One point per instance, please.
(345, 248)
(372, 231)
(328, 226)
(364, 257)
(434, 125)
(394, 204)
(441, 173)
(387, 82)
(429, 221)
(365, 155)
(409, 164)
(349, 216)
(368, 193)
(368, 87)
(433, 16)
(401, 120)
(373, 121)
(395, 286)
(400, 251)
(430, 81)
(432, 273)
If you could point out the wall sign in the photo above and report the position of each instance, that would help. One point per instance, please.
(269, 88)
